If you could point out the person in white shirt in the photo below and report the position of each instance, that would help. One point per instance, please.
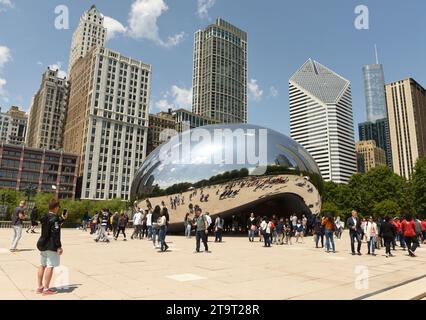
(209, 221)
(371, 233)
(137, 224)
(149, 223)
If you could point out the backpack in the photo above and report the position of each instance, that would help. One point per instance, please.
(418, 227)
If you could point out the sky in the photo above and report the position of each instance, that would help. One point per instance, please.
(282, 35)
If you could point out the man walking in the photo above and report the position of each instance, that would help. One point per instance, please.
(18, 216)
(219, 222)
(50, 247)
(33, 218)
(137, 225)
(201, 231)
(354, 225)
(103, 222)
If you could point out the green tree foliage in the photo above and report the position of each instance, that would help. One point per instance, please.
(10, 198)
(371, 193)
(418, 186)
(386, 207)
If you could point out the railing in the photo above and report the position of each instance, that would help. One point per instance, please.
(8, 224)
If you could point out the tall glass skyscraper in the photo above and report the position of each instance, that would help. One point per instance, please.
(375, 97)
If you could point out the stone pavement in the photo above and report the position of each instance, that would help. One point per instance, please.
(236, 269)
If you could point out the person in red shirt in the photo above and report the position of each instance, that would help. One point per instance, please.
(424, 231)
(409, 229)
(400, 234)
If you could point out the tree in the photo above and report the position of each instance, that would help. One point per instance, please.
(330, 207)
(10, 198)
(418, 186)
(386, 208)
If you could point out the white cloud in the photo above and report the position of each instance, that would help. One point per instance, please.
(182, 97)
(58, 66)
(113, 27)
(273, 91)
(5, 57)
(142, 21)
(255, 92)
(5, 4)
(176, 98)
(203, 8)
(164, 105)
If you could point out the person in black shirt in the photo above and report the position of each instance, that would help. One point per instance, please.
(50, 247)
(34, 218)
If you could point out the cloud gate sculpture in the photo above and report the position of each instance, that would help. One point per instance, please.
(231, 170)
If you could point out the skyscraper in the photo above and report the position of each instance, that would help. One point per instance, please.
(372, 155)
(379, 132)
(220, 73)
(376, 127)
(406, 102)
(48, 110)
(13, 126)
(321, 119)
(90, 32)
(374, 86)
(107, 121)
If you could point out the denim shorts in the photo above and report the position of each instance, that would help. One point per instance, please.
(49, 259)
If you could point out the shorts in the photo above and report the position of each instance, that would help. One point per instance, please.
(49, 259)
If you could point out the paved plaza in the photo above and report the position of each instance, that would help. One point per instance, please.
(236, 269)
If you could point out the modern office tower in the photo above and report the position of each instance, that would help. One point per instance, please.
(164, 125)
(375, 97)
(220, 73)
(90, 32)
(13, 125)
(321, 119)
(46, 122)
(406, 101)
(42, 170)
(372, 155)
(107, 121)
(379, 132)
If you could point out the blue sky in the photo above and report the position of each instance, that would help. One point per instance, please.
(282, 36)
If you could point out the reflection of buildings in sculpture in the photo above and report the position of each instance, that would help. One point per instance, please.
(159, 180)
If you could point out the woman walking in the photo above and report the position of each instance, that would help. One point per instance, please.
(188, 226)
(388, 232)
(122, 223)
(162, 223)
(319, 232)
(287, 231)
(328, 223)
(371, 233)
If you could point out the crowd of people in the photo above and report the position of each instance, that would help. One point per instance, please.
(152, 224)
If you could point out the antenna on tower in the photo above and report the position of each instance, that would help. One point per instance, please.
(377, 56)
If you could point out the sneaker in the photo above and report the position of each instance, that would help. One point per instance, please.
(49, 292)
(359, 253)
(387, 255)
(40, 290)
(207, 251)
(96, 240)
